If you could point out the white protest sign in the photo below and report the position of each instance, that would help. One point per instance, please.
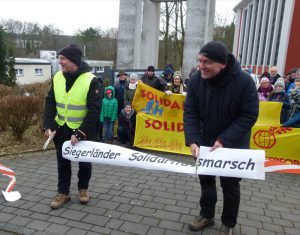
(95, 152)
(242, 163)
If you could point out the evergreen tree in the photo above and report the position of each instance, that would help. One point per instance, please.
(3, 74)
(7, 62)
(11, 68)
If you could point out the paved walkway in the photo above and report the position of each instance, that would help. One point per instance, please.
(136, 201)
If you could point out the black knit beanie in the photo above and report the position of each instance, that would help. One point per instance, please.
(72, 53)
(215, 51)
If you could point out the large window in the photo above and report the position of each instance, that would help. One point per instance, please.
(38, 72)
(99, 69)
(19, 72)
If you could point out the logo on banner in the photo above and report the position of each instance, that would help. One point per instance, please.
(266, 139)
(153, 108)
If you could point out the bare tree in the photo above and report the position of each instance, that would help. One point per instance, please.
(172, 33)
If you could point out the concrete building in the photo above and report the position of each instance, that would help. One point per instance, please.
(97, 66)
(267, 33)
(30, 71)
(138, 35)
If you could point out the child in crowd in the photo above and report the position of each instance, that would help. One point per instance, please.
(126, 125)
(294, 121)
(131, 87)
(264, 89)
(176, 86)
(108, 113)
(279, 95)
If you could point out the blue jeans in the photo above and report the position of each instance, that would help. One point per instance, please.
(108, 127)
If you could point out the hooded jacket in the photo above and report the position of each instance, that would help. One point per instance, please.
(223, 107)
(109, 106)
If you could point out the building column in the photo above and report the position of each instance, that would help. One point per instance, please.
(129, 34)
(199, 30)
(150, 34)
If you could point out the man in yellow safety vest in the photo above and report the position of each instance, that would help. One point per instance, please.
(72, 110)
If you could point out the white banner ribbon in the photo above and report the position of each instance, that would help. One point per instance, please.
(221, 162)
(9, 194)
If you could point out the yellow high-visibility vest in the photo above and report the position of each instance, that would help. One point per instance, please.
(71, 106)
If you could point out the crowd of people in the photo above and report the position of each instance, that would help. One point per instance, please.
(117, 102)
(286, 89)
(221, 106)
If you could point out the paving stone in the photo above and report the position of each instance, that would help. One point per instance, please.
(134, 201)
(291, 231)
(114, 223)
(290, 217)
(131, 217)
(134, 228)
(170, 225)
(76, 231)
(95, 219)
(150, 221)
(39, 216)
(9, 210)
(164, 201)
(124, 207)
(20, 220)
(249, 230)
(177, 209)
(166, 215)
(113, 214)
(156, 231)
(142, 211)
(57, 220)
(265, 232)
(101, 230)
(260, 218)
(115, 232)
(273, 227)
(108, 205)
(77, 224)
(38, 225)
(4, 217)
(73, 215)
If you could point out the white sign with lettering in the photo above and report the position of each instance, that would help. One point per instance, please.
(221, 162)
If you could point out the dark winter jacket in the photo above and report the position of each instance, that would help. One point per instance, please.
(94, 99)
(152, 81)
(274, 79)
(120, 92)
(109, 106)
(286, 106)
(224, 107)
(128, 123)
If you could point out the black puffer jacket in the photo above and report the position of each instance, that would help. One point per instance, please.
(224, 107)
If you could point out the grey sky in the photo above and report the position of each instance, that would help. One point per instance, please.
(71, 15)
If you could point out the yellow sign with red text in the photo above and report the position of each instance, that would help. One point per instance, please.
(159, 126)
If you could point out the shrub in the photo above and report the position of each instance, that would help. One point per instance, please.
(4, 91)
(19, 112)
(40, 91)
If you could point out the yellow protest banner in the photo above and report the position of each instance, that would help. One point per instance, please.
(280, 143)
(159, 121)
(160, 134)
(156, 103)
(160, 127)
